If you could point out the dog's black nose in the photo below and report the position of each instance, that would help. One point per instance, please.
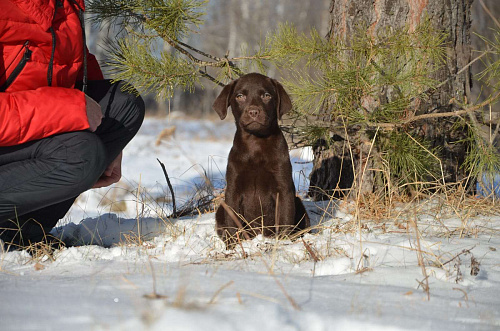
(253, 113)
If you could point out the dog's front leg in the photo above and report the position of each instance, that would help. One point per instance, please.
(228, 225)
(284, 211)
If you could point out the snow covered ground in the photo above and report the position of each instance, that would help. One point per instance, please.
(141, 271)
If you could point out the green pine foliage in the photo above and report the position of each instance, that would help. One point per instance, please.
(483, 157)
(411, 161)
(134, 60)
(169, 19)
(139, 56)
(492, 62)
(371, 85)
(353, 76)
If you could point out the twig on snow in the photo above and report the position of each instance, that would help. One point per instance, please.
(174, 207)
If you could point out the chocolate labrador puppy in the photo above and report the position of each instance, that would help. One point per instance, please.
(260, 192)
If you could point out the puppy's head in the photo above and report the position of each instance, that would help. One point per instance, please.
(257, 102)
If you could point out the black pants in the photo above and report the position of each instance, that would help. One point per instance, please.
(40, 180)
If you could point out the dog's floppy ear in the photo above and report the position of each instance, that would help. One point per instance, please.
(222, 102)
(284, 102)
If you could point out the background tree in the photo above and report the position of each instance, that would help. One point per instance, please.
(440, 136)
(395, 111)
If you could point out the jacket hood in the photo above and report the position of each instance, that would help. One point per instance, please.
(42, 11)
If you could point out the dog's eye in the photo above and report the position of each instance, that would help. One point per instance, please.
(266, 96)
(240, 97)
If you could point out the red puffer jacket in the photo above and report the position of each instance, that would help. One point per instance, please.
(41, 58)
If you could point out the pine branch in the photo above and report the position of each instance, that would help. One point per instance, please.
(214, 80)
(455, 113)
(392, 126)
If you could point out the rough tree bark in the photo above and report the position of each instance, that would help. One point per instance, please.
(334, 168)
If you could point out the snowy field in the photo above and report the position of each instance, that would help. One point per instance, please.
(134, 269)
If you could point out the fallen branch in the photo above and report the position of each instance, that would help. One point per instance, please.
(174, 207)
(464, 251)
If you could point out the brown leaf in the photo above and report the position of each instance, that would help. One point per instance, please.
(39, 266)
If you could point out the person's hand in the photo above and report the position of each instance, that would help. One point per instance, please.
(112, 174)
(94, 113)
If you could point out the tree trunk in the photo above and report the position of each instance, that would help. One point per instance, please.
(344, 163)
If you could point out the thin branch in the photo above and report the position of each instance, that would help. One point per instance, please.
(199, 52)
(464, 251)
(198, 62)
(391, 126)
(464, 111)
(177, 45)
(174, 207)
(488, 11)
(463, 69)
(453, 113)
(218, 61)
(214, 80)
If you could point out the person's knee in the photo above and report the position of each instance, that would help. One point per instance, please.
(131, 105)
(84, 160)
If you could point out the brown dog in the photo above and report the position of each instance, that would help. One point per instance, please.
(260, 188)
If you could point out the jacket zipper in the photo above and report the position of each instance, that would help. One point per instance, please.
(17, 70)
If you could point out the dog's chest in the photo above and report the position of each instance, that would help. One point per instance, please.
(255, 193)
(254, 173)
(257, 180)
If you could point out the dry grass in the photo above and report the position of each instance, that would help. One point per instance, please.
(423, 214)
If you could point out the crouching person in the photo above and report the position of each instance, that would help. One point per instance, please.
(62, 125)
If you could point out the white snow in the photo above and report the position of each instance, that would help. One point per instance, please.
(135, 269)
